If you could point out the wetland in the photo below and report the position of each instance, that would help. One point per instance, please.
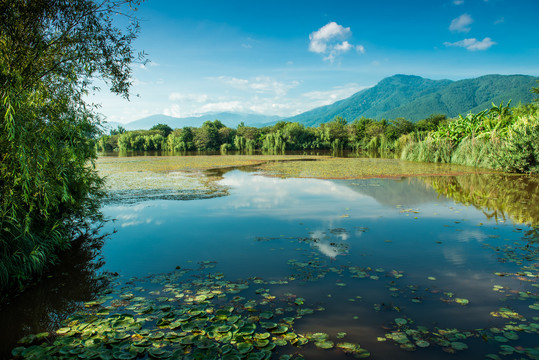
(291, 256)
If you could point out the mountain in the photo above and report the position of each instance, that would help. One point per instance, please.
(416, 98)
(229, 119)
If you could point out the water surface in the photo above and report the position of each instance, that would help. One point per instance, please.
(378, 259)
(318, 232)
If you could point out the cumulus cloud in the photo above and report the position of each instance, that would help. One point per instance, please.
(461, 24)
(330, 40)
(473, 44)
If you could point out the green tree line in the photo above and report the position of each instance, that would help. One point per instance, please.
(502, 137)
(337, 134)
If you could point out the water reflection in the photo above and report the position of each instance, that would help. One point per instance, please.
(332, 244)
(42, 307)
(499, 196)
(408, 191)
(376, 249)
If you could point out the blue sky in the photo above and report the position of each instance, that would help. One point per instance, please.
(285, 57)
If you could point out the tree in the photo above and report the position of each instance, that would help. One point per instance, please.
(118, 131)
(535, 90)
(398, 127)
(207, 136)
(163, 128)
(50, 52)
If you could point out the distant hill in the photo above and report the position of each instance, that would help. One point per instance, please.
(416, 98)
(229, 119)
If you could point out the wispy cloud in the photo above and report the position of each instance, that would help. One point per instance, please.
(458, 2)
(173, 110)
(461, 24)
(330, 40)
(199, 98)
(223, 106)
(473, 44)
(320, 98)
(259, 84)
(148, 64)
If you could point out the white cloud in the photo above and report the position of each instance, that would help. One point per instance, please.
(199, 98)
(234, 82)
(461, 24)
(265, 99)
(223, 106)
(259, 84)
(344, 46)
(473, 44)
(323, 37)
(360, 49)
(330, 40)
(321, 98)
(458, 2)
(173, 110)
(149, 63)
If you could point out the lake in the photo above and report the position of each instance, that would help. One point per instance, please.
(258, 266)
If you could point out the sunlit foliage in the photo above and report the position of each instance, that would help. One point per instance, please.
(49, 54)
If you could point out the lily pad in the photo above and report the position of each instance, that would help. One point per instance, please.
(422, 343)
(325, 344)
(457, 345)
(401, 321)
(462, 301)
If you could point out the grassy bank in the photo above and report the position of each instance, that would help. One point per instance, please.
(499, 138)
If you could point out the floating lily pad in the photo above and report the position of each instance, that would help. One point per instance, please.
(245, 348)
(462, 301)
(325, 344)
(422, 343)
(457, 345)
(401, 321)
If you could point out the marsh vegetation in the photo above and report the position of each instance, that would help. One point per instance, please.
(432, 259)
(275, 255)
(501, 137)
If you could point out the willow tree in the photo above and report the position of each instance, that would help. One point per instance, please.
(51, 51)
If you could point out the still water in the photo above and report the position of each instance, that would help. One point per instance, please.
(401, 267)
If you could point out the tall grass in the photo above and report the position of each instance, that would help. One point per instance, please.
(428, 150)
(496, 139)
(476, 152)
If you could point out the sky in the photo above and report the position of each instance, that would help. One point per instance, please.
(286, 57)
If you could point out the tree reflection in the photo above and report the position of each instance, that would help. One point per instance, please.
(498, 196)
(57, 295)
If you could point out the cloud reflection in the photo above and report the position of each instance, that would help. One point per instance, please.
(127, 216)
(332, 244)
(288, 197)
